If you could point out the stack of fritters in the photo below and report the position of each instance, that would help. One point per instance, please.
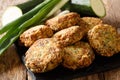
(65, 46)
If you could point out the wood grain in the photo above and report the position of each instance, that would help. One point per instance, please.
(11, 67)
(113, 10)
(99, 76)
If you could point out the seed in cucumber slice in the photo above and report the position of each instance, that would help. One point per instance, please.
(10, 14)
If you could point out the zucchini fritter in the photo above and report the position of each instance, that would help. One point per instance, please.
(69, 35)
(31, 35)
(77, 56)
(104, 39)
(89, 22)
(44, 55)
(64, 21)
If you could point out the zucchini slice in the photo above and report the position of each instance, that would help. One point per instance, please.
(10, 14)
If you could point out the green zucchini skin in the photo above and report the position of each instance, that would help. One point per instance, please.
(30, 4)
(83, 10)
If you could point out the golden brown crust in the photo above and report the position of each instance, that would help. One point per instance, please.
(69, 35)
(77, 56)
(44, 55)
(64, 21)
(31, 35)
(104, 39)
(118, 40)
(89, 22)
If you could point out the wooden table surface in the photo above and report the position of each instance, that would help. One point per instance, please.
(11, 67)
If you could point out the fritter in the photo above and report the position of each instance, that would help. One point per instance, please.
(69, 35)
(44, 55)
(89, 22)
(104, 39)
(64, 21)
(77, 56)
(31, 35)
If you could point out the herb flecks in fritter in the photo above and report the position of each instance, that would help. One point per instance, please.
(104, 39)
(64, 21)
(77, 56)
(44, 55)
(31, 35)
(69, 35)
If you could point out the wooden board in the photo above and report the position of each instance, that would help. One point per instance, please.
(11, 67)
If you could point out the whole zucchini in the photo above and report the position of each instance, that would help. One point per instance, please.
(87, 7)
